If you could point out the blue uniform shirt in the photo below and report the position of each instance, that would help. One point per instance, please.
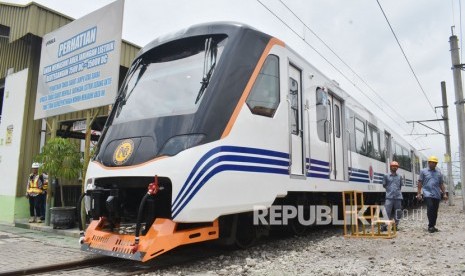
(431, 181)
(393, 184)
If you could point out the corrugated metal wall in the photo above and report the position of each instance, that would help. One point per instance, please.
(14, 55)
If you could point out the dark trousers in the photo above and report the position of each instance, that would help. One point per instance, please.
(432, 206)
(34, 205)
(42, 201)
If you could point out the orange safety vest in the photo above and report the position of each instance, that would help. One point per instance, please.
(34, 185)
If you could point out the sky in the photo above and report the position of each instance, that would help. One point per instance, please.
(369, 64)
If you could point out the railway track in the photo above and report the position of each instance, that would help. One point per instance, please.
(104, 265)
(91, 262)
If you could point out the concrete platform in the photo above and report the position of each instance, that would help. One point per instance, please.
(36, 245)
(23, 223)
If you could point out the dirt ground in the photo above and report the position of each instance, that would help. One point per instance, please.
(326, 252)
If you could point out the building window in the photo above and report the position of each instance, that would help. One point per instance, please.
(360, 136)
(264, 98)
(322, 105)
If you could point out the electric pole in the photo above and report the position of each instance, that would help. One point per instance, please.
(459, 104)
(448, 157)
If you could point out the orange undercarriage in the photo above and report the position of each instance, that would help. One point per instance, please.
(161, 237)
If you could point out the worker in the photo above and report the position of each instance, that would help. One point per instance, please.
(43, 200)
(431, 181)
(393, 183)
(33, 193)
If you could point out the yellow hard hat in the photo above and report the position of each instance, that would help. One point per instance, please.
(433, 158)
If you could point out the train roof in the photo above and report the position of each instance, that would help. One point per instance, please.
(223, 27)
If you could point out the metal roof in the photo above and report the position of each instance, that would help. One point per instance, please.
(39, 20)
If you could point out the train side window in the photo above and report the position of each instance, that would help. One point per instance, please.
(322, 106)
(337, 121)
(294, 98)
(407, 160)
(264, 98)
(360, 136)
(397, 154)
(373, 142)
(417, 165)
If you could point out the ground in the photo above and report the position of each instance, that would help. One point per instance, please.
(326, 252)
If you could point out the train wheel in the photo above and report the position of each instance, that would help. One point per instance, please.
(296, 228)
(246, 232)
(302, 204)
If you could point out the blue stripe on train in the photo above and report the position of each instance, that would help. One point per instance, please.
(189, 187)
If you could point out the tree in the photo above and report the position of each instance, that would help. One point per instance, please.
(60, 158)
(458, 186)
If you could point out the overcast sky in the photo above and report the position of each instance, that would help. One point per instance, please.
(355, 30)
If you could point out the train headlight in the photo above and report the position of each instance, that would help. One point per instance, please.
(179, 143)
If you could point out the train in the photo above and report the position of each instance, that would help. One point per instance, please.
(219, 118)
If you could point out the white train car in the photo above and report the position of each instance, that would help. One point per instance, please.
(220, 118)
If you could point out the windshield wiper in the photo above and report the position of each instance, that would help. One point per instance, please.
(210, 57)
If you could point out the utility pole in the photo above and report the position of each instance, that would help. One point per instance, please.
(459, 104)
(448, 158)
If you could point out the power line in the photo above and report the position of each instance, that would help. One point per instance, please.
(348, 66)
(460, 16)
(332, 65)
(405, 56)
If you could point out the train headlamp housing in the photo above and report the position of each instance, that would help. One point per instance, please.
(179, 143)
(90, 184)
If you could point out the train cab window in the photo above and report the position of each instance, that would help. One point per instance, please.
(264, 98)
(322, 106)
(373, 144)
(360, 136)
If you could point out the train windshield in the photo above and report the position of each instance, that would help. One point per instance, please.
(169, 80)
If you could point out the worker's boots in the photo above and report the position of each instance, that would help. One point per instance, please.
(32, 219)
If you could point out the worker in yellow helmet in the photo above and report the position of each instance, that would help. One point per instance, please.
(431, 181)
(33, 193)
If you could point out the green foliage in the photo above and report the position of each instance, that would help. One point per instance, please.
(61, 158)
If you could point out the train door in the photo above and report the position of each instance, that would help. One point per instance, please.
(387, 149)
(295, 122)
(335, 138)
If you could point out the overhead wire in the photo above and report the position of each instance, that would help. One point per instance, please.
(409, 64)
(321, 55)
(460, 18)
(406, 58)
(331, 64)
(348, 66)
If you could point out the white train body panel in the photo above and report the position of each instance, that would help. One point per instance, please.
(259, 160)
